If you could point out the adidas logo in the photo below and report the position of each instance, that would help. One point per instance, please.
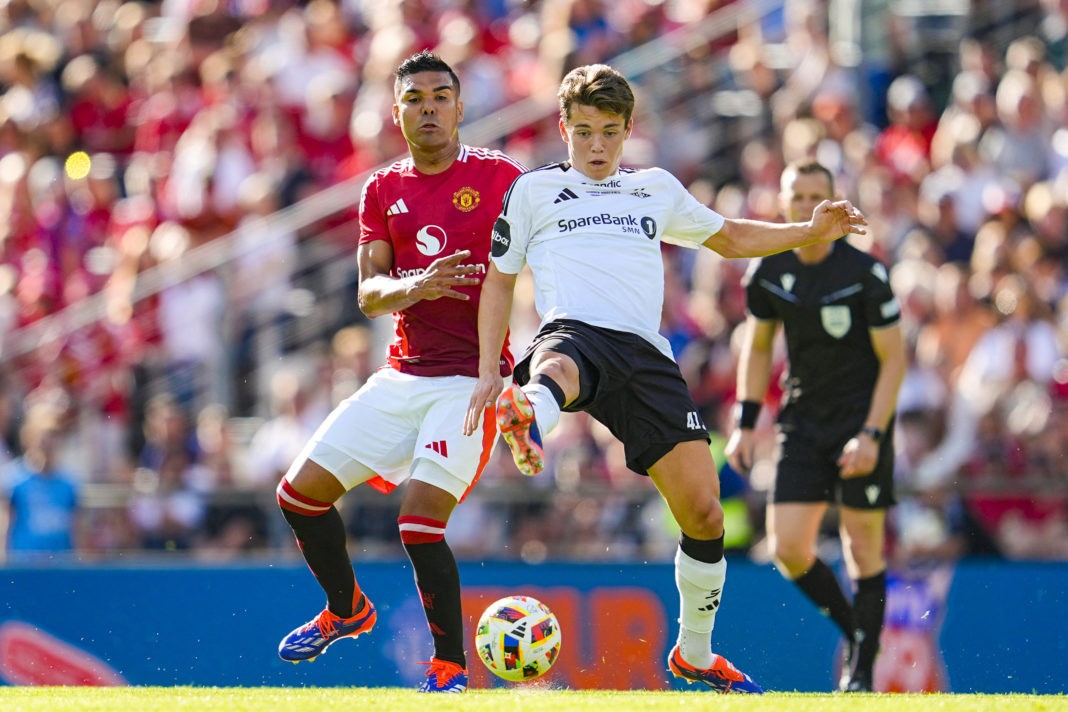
(397, 208)
(565, 194)
(714, 598)
(439, 447)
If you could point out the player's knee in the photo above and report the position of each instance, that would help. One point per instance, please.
(291, 501)
(561, 369)
(791, 557)
(704, 520)
(420, 530)
(866, 557)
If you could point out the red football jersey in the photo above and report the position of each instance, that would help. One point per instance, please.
(425, 217)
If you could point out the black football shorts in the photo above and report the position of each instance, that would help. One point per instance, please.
(808, 466)
(626, 384)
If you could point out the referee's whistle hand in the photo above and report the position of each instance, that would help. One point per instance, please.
(739, 450)
(858, 458)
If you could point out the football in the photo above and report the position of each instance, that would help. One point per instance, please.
(518, 638)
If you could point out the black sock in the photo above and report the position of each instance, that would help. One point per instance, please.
(822, 588)
(322, 542)
(709, 551)
(869, 604)
(438, 581)
(540, 379)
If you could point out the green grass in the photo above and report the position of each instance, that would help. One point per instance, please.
(529, 698)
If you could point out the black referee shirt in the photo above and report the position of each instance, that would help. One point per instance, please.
(826, 310)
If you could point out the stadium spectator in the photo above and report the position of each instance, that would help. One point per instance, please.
(352, 362)
(99, 108)
(190, 318)
(961, 176)
(904, 146)
(846, 362)
(167, 433)
(1007, 362)
(40, 509)
(260, 284)
(1018, 145)
(958, 320)
(235, 519)
(600, 295)
(168, 503)
(290, 423)
(424, 239)
(326, 142)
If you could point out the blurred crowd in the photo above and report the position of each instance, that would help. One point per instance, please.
(157, 160)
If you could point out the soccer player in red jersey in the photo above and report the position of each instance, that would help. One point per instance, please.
(424, 244)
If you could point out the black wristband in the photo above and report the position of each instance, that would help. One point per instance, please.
(748, 412)
(875, 434)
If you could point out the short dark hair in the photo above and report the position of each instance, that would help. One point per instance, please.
(599, 86)
(810, 167)
(425, 61)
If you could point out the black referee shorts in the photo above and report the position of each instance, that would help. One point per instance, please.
(808, 464)
(627, 385)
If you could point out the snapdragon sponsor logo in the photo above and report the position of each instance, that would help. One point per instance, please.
(430, 240)
(416, 271)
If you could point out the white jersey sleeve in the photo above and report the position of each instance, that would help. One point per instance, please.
(512, 232)
(692, 222)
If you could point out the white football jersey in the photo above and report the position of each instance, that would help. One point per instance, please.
(594, 246)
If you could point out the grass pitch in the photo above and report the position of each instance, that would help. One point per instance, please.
(527, 698)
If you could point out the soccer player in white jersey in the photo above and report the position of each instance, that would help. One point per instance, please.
(591, 232)
(425, 226)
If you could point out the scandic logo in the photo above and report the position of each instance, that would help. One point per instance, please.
(602, 219)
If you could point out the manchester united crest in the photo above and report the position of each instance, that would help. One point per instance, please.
(465, 199)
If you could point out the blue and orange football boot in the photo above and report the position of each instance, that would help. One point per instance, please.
(515, 419)
(444, 676)
(310, 640)
(722, 676)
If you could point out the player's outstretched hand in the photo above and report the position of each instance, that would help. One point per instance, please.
(443, 275)
(831, 221)
(484, 396)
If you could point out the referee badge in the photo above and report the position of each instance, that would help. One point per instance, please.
(836, 320)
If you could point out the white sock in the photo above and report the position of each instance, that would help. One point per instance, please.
(546, 409)
(700, 587)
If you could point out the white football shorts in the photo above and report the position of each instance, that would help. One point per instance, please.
(380, 432)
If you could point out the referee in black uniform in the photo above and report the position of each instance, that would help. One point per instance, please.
(846, 362)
